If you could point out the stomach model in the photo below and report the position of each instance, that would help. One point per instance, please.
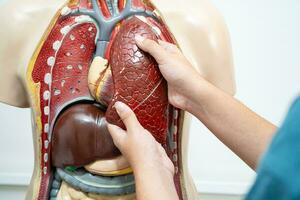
(86, 61)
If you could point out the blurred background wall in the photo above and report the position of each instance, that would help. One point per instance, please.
(266, 46)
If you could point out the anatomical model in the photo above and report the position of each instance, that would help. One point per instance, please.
(71, 61)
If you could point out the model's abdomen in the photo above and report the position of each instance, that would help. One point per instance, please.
(86, 63)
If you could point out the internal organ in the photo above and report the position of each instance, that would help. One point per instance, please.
(60, 66)
(138, 81)
(80, 135)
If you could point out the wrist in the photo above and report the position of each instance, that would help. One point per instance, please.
(154, 182)
(152, 167)
(197, 94)
(155, 173)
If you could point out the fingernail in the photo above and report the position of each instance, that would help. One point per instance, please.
(120, 107)
(139, 38)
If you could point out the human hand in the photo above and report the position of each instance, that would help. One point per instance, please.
(175, 68)
(138, 145)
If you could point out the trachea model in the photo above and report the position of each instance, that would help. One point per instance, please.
(86, 61)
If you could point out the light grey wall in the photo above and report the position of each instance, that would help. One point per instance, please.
(266, 46)
(265, 38)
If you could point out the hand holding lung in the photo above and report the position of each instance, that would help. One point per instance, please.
(80, 135)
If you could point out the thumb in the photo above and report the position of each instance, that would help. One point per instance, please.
(153, 48)
(118, 135)
(127, 116)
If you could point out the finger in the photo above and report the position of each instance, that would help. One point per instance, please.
(127, 116)
(161, 150)
(169, 47)
(118, 135)
(152, 47)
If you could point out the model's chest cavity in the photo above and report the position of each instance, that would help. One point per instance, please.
(88, 62)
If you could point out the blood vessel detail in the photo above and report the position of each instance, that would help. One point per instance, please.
(59, 71)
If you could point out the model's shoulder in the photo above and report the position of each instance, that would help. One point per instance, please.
(191, 14)
(23, 11)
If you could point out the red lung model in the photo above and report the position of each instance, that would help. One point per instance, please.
(73, 123)
(137, 80)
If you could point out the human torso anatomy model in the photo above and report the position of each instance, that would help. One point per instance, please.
(71, 69)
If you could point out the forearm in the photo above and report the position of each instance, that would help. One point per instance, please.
(243, 131)
(154, 183)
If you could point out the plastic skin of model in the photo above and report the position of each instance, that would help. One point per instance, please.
(70, 61)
